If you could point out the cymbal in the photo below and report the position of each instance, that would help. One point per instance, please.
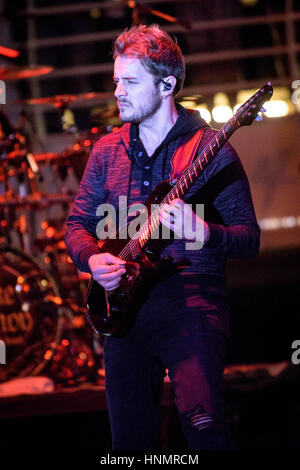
(58, 100)
(17, 73)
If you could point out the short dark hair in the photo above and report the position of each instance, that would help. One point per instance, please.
(157, 51)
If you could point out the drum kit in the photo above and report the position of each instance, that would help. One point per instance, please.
(42, 294)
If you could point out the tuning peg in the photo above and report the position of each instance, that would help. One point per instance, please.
(258, 118)
(263, 110)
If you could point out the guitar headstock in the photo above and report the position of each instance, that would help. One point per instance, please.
(246, 114)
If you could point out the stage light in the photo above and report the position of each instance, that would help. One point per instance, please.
(50, 232)
(276, 223)
(277, 108)
(204, 113)
(244, 95)
(48, 354)
(95, 13)
(236, 107)
(9, 52)
(249, 3)
(191, 103)
(188, 103)
(270, 224)
(25, 307)
(289, 222)
(280, 104)
(222, 113)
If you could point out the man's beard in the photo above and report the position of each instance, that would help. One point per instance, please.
(145, 111)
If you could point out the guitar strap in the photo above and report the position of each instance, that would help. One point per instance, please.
(185, 154)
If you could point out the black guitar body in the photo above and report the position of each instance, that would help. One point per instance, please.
(112, 313)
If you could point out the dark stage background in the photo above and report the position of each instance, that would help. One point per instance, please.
(55, 114)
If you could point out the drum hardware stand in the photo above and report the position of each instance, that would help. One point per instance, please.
(27, 186)
(65, 339)
(68, 119)
(7, 211)
(26, 217)
(48, 356)
(26, 128)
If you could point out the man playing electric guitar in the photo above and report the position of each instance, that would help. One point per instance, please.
(182, 326)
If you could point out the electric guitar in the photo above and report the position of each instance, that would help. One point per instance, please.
(113, 313)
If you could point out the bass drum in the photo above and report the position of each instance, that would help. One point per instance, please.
(30, 317)
(43, 335)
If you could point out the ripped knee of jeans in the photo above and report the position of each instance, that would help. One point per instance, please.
(199, 418)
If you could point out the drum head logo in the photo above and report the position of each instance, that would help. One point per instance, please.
(16, 321)
(28, 320)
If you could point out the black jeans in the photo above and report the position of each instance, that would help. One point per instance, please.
(180, 328)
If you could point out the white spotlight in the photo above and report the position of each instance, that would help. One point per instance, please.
(222, 113)
(277, 108)
(204, 113)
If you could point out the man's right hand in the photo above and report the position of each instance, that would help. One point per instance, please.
(107, 269)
